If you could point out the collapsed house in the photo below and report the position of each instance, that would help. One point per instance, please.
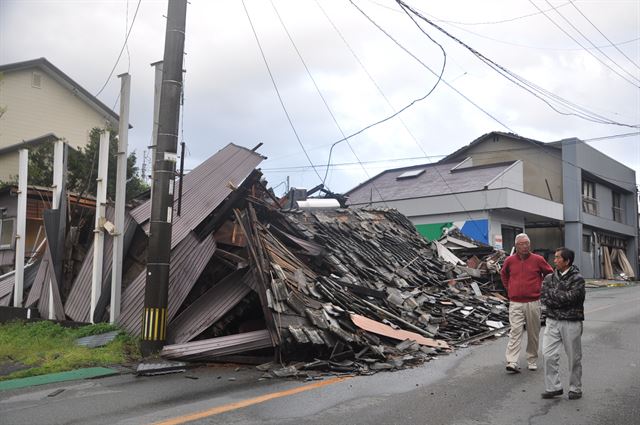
(341, 289)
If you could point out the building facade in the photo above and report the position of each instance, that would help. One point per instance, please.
(563, 193)
(36, 99)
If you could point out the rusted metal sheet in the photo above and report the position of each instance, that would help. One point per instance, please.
(188, 260)
(209, 308)
(209, 349)
(206, 187)
(399, 334)
(78, 303)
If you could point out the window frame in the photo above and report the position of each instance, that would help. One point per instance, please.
(616, 206)
(589, 200)
(12, 240)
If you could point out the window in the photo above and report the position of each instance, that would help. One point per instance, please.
(586, 243)
(6, 233)
(618, 211)
(410, 174)
(589, 202)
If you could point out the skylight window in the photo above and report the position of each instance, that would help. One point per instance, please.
(410, 174)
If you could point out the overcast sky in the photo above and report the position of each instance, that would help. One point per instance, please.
(337, 73)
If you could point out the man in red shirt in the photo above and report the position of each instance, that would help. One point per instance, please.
(522, 275)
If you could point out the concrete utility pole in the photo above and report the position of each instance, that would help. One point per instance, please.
(59, 174)
(121, 194)
(154, 322)
(21, 228)
(98, 233)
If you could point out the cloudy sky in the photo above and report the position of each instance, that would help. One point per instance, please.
(340, 66)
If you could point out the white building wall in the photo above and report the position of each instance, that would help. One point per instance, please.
(52, 108)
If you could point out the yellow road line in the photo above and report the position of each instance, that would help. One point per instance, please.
(248, 402)
(635, 300)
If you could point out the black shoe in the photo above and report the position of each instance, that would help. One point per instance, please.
(574, 395)
(552, 394)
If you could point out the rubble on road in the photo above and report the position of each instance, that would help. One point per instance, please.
(323, 290)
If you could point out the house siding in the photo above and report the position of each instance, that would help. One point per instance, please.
(52, 108)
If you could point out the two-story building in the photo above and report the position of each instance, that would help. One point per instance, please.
(37, 98)
(561, 193)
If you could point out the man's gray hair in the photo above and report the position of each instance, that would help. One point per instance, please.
(522, 236)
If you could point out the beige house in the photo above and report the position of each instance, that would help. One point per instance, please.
(36, 99)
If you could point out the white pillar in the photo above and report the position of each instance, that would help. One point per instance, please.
(121, 186)
(98, 233)
(58, 171)
(23, 171)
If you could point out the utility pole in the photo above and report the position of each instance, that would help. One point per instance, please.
(154, 321)
(121, 195)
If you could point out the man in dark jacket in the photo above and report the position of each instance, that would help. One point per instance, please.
(563, 294)
(522, 275)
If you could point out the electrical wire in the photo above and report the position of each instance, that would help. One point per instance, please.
(275, 86)
(585, 49)
(542, 94)
(368, 74)
(483, 23)
(133, 21)
(321, 96)
(602, 34)
(430, 70)
(594, 46)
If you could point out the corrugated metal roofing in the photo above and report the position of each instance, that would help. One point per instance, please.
(188, 260)
(215, 347)
(8, 282)
(205, 188)
(210, 307)
(436, 180)
(78, 304)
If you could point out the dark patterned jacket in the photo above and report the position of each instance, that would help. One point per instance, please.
(564, 295)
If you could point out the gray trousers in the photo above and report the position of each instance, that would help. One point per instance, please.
(567, 334)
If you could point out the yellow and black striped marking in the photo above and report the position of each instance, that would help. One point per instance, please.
(155, 324)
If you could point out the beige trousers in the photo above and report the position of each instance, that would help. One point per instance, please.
(519, 315)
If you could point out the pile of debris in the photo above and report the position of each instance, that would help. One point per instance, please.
(474, 260)
(344, 290)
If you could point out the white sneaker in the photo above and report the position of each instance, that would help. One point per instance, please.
(532, 366)
(513, 368)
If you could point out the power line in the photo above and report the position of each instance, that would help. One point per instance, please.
(133, 21)
(580, 44)
(601, 33)
(594, 46)
(542, 94)
(489, 22)
(430, 70)
(320, 94)
(353, 53)
(275, 86)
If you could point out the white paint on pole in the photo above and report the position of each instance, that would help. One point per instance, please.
(23, 169)
(121, 193)
(98, 233)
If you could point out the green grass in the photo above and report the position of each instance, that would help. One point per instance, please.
(47, 347)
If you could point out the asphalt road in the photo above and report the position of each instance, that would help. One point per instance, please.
(467, 387)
